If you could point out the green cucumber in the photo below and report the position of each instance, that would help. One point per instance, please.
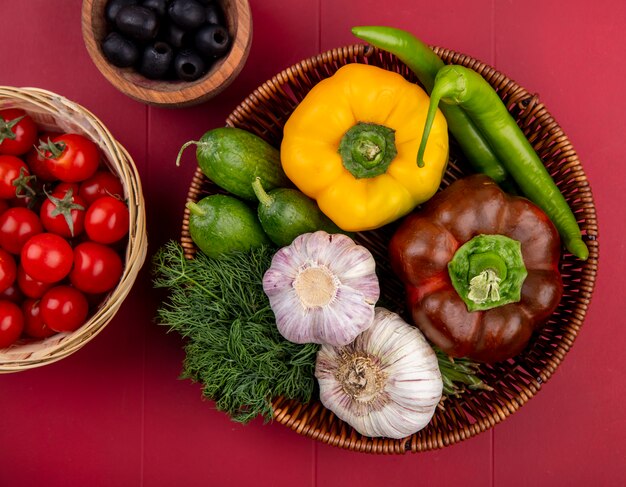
(233, 158)
(285, 213)
(220, 224)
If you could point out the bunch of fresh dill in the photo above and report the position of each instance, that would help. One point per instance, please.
(233, 347)
(458, 373)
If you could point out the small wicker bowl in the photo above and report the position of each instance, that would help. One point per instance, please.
(53, 112)
(172, 93)
(515, 381)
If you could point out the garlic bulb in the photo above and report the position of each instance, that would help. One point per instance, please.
(322, 289)
(385, 383)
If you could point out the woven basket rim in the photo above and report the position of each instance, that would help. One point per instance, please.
(298, 416)
(62, 345)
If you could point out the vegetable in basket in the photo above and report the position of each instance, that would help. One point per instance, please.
(285, 213)
(351, 144)
(232, 345)
(220, 224)
(385, 383)
(459, 375)
(457, 85)
(233, 158)
(459, 260)
(420, 59)
(322, 289)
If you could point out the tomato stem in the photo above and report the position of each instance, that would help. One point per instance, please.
(64, 206)
(50, 150)
(6, 128)
(22, 184)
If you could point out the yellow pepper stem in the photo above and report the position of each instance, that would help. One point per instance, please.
(367, 149)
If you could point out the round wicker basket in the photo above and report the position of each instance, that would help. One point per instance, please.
(54, 112)
(514, 382)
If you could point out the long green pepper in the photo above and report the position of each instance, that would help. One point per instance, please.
(463, 87)
(420, 59)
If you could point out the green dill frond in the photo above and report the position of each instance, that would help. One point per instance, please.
(458, 373)
(233, 347)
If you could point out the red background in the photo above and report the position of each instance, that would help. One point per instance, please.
(115, 413)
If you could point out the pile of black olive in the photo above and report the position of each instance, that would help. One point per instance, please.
(165, 39)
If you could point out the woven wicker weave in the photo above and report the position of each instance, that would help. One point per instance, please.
(53, 112)
(514, 382)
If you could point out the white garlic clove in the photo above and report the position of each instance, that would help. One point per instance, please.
(386, 383)
(341, 321)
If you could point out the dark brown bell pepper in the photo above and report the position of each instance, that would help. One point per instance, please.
(508, 302)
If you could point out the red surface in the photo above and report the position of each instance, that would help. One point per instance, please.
(115, 414)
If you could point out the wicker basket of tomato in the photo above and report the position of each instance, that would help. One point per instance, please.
(72, 227)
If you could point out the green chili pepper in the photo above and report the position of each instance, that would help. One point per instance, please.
(457, 85)
(425, 63)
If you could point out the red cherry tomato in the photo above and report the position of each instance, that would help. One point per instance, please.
(13, 293)
(71, 157)
(64, 308)
(30, 192)
(36, 161)
(8, 270)
(17, 225)
(65, 187)
(11, 323)
(34, 325)
(47, 257)
(38, 166)
(29, 286)
(97, 268)
(28, 202)
(4, 206)
(18, 132)
(107, 220)
(103, 183)
(14, 176)
(63, 214)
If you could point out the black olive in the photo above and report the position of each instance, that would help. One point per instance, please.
(120, 51)
(188, 14)
(159, 6)
(213, 14)
(114, 6)
(189, 66)
(205, 2)
(156, 60)
(176, 36)
(212, 41)
(140, 23)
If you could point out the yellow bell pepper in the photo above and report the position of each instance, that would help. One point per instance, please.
(351, 145)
